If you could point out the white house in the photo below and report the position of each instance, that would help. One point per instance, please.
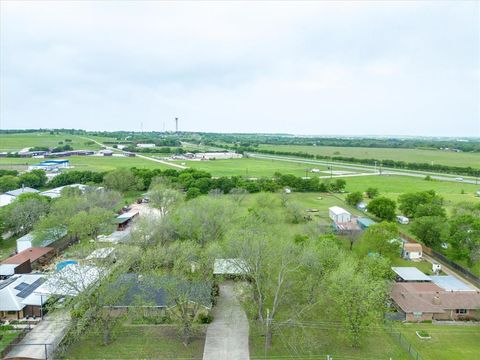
(339, 215)
(146, 145)
(9, 196)
(412, 251)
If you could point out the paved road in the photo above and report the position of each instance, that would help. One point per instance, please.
(50, 330)
(227, 335)
(365, 168)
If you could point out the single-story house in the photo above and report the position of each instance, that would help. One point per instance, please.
(425, 301)
(26, 260)
(9, 196)
(339, 215)
(125, 219)
(159, 293)
(229, 267)
(18, 298)
(71, 280)
(56, 192)
(365, 223)
(412, 251)
(410, 274)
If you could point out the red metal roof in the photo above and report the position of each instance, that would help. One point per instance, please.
(32, 254)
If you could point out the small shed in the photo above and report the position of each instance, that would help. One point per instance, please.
(339, 215)
(125, 219)
(365, 223)
(412, 251)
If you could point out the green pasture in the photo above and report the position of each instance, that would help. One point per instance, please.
(407, 155)
(15, 142)
(251, 167)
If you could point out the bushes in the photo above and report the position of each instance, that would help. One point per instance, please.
(205, 318)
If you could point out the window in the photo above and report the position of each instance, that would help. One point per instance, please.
(461, 311)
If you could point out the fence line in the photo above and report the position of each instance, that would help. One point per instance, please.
(404, 343)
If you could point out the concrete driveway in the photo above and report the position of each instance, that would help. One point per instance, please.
(42, 341)
(227, 335)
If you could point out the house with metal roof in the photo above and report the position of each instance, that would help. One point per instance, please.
(125, 219)
(25, 261)
(8, 197)
(409, 274)
(50, 165)
(365, 223)
(18, 298)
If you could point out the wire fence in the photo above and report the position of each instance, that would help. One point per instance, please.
(404, 343)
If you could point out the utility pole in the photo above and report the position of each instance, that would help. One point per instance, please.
(375, 165)
(176, 124)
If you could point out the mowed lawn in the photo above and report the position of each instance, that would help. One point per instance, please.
(251, 167)
(93, 163)
(139, 342)
(15, 142)
(447, 343)
(407, 155)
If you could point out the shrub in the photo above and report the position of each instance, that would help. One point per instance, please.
(205, 318)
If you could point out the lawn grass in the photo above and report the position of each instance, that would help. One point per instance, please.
(7, 247)
(15, 142)
(455, 342)
(6, 337)
(317, 343)
(138, 342)
(407, 155)
(251, 167)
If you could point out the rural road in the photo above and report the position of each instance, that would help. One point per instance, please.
(140, 156)
(365, 168)
(42, 341)
(227, 335)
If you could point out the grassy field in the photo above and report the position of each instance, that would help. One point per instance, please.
(15, 142)
(138, 342)
(447, 342)
(250, 167)
(317, 343)
(408, 155)
(94, 163)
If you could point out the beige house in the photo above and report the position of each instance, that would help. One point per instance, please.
(412, 251)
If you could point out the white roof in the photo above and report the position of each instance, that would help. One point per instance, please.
(101, 253)
(450, 283)
(56, 192)
(408, 273)
(115, 237)
(12, 287)
(21, 191)
(6, 199)
(71, 280)
(127, 215)
(7, 269)
(337, 210)
(229, 267)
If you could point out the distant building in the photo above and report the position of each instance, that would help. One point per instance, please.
(143, 146)
(339, 215)
(50, 165)
(217, 156)
(9, 196)
(106, 152)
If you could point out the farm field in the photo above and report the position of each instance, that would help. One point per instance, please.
(15, 142)
(407, 155)
(138, 342)
(94, 163)
(250, 167)
(447, 342)
(393, 186)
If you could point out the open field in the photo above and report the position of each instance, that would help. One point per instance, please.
(15, 142)
(251, 167)
(407, 155)
(138, 342)
(447, 343)
(393, 186)
(94, 163)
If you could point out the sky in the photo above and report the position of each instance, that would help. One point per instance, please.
(312, 68)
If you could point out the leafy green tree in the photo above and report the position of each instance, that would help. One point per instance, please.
(430, 209)
(90, 223)
(164, 199)
(383, 208)
(295, 213)
(409, 203)
(358, 300)
(33, 179)
(122, 180)
(380, 239)
(431, 230)
(24, 212)
(465, 237)
(192, 193)
(372, 192)
(354, 198)
(9, 182)
(338, 185)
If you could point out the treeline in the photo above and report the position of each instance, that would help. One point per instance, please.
(460, 170)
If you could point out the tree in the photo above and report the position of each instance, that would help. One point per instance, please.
(383, 208)
(358, 300)
(295, 213)
(338, 185)
(34, 179)
(410, 202)
(145, 231)
(380, 239)
(9, 182)
(192, 193)
(24, 212)
(354, 198)
(430, 209)
(238, 195)
(164, 199)
(431, 230)
(122, 180)
(372, 192)
(465, 237)
(90, 223)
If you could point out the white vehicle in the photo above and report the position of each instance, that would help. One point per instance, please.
(402, 220)
(459, 179)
